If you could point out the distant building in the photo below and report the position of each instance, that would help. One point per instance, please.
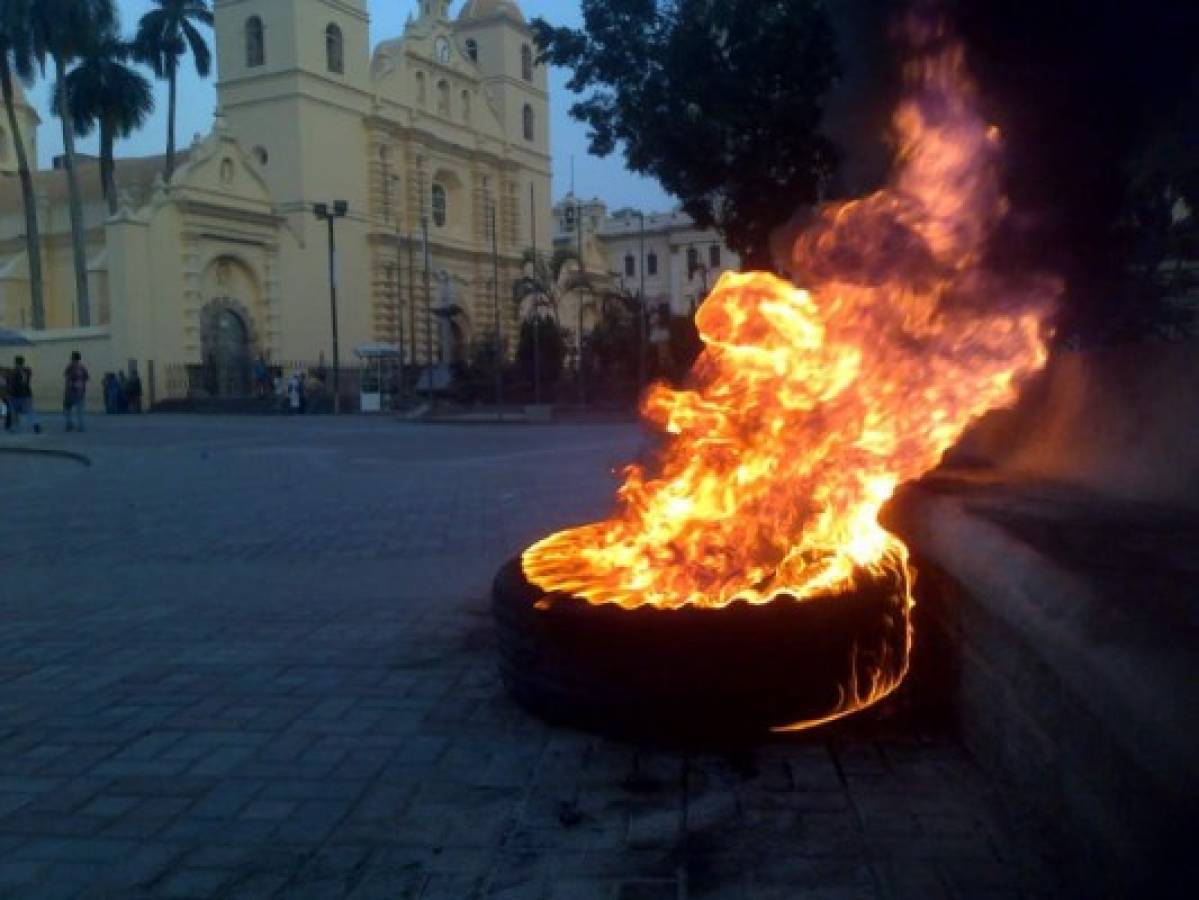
(446, 123)
(680, 262)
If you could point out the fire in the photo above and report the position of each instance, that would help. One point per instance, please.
(809, 406)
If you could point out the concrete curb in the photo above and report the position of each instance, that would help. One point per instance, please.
(48, 451)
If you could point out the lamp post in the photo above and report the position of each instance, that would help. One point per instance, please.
(641, 313)
(393, 182)
(495, 300)
(329, 214)
(583, 282)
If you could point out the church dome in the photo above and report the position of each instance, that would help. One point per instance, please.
(485, 9)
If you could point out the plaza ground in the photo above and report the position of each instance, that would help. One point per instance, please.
(254, 658)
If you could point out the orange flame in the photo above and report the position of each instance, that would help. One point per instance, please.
(808, 407)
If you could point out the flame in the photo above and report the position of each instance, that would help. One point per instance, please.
(809, 406)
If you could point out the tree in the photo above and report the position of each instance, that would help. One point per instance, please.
(536, 294)
(1097, 103)
(720, 100)
(104, 91)
(541, 351)
(58, 31)
(17, 61)
(163, 36)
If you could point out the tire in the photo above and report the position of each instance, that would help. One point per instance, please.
(694, 674)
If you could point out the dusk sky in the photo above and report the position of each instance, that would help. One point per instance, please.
(606, 178)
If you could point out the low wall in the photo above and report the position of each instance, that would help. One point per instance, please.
(1069, 623)
(50, 355)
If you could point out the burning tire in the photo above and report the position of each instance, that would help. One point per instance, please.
(701, 673)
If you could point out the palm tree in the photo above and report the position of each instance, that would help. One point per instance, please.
(163, 36)
(104, 91)
(59, 29)
(540, 287)
(17, 61)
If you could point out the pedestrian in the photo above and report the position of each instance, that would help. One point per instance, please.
(295, 398)
(75, 378)
(122, 393)
(108, 387)
(5, 406)
(262, 378)
(134, 389)
(20, 393)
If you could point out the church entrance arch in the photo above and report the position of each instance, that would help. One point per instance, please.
(228, 349)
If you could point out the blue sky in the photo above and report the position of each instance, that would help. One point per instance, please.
(593, 177)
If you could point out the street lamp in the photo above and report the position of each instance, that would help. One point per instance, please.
(583, 282)
(328, 214)
(641, 314)
(392, 182)
(498, 349)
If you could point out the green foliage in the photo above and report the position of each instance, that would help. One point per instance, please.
(720, 100)
(102, 90)
(105, 91)
(541, 353)
(60, 29)
(612, 348)
(17, 61)
(166, 33)
(17, 56)
(163, 36)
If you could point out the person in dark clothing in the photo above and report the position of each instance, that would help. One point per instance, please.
(20, 393)
(123, 393)
(133, 392)
(75, 378)
(108, 386)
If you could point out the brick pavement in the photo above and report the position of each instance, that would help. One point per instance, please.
(253, 658)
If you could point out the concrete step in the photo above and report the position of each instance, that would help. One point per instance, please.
(1073, 619)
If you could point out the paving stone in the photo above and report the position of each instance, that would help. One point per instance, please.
(194, 883)
(654, 827)
(318, 713)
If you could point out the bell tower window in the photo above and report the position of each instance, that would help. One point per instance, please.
(255, 43)
(526, 62)
(530, 123)
(334, 50)
(439, 206)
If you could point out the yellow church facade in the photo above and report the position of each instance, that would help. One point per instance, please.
(442, 130)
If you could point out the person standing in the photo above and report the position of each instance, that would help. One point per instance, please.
(134, 389)
(294, 394)
(262, 378)
(20, 391)
(75, 378)
(122, 393)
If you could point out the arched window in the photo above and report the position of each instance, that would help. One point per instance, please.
(439, 206)
(421, 96)
(472, 49)
(651, 264)
(630, 265)
(530, 122)
(714, 256)
(692, 261)
(261, 156)
(255, 43)
(526, 62)
(334, 50)
(466, 106)
(443, 97)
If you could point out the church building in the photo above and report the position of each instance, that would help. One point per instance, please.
(443, 130)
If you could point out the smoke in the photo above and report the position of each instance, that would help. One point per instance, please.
(1122, 421)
